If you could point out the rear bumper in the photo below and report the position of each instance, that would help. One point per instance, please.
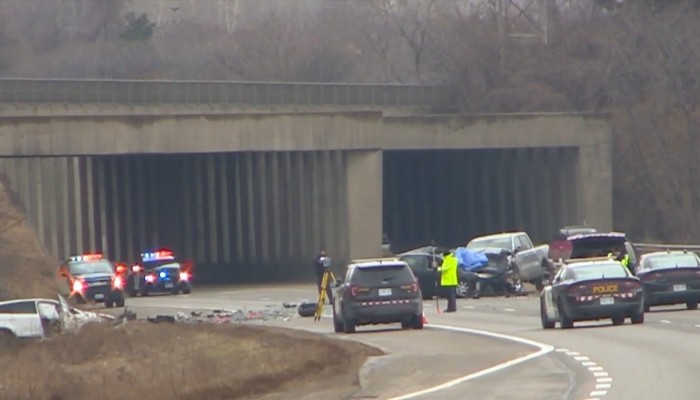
(622, 308)
(670, 297)
(100, 294)
(383, 312)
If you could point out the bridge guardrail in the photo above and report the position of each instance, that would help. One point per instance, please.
(157, 92)
(649, 247)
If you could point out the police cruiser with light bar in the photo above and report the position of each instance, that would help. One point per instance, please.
(93, 278)
(159, 272)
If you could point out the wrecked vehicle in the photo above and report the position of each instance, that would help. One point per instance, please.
(41, 318)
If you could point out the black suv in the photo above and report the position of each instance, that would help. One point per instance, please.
(380, 291)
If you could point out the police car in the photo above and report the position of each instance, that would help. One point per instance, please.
(93, 278)
(159, 272)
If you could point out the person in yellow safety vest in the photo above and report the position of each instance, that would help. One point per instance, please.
(449, 280)
(622, 257)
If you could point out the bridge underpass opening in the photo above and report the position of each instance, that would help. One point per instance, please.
(241, 217)
(451, 196)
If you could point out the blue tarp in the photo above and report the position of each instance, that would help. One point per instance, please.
(470, 260)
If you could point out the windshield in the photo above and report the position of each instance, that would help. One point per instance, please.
(501, 243)
(390, 275)
(597, 271)
(596, 247)
(94, 267)
(670, 261)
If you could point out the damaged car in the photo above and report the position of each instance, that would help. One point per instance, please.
(40, 318)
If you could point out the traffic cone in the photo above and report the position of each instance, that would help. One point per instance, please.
(425, 320)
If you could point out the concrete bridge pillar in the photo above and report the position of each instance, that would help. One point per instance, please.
(364, 203)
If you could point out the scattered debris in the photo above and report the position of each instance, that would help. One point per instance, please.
(307, 309)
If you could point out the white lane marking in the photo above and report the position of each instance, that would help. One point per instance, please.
(603, 381)
(543, 349)
(697, 326)
(665, 321)
(469, 307)
(509, 309)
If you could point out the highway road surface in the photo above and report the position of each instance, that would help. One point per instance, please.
(659, 359)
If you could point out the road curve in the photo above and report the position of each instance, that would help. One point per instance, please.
(655, 360)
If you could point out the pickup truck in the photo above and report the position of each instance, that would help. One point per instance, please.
(41, 318)
(529, 262)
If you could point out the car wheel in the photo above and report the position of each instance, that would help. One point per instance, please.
(418, 322)
(7, 337)
(109, 303)
(337, 323)
(637, 318)
(546, 323)
(618, 320)
(462, 289)
(564, 321)
(692, 305)
(348, 326)
(187, 290)
(119, 302)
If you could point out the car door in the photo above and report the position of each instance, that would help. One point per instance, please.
(420, 265)
(527, 258)
(26, 319)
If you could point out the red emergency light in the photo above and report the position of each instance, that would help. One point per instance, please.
(162, 254)
(88, 257)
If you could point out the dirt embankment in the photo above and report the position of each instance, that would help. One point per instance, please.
(176, 361)
(26, 268)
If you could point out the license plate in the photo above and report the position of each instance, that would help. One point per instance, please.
(385, 292)
(99, 296)
(169, 285)
(679, 288)
(607, 300)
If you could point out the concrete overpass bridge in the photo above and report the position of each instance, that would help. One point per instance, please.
(249, 179)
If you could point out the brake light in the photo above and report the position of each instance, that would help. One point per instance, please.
(630, 285)
(354, 290)
(577, 290)
(78, 286)
(135, 268)
(118, 282)
(184, 276)
(151, 278)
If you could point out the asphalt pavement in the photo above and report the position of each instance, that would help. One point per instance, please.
(656, 360)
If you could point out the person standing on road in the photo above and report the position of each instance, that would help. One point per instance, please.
(322, 264)
(621, 256)
(448, 279)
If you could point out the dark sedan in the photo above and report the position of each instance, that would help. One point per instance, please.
(592, 290)
(670, 277)
(423, 263)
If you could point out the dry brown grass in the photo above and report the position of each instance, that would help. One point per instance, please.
(27, 269)
(173, 361)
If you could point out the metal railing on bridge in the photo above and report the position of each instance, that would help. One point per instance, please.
(652, 247)
(155, 92)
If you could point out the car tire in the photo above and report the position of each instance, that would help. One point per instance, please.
(618, 320)
(187, 290)
(337, 323)
(637, 318)
(109, 303)
(119, 302)
(692, 305)
(348, 325)
(546, 323)
(418, 322)
(7, 337)
(564, 321)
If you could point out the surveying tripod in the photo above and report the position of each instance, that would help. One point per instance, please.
(325, 280)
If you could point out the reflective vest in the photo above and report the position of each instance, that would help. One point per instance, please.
(625, 260)
(449, 271)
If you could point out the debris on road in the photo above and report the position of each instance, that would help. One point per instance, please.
(224, 316)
